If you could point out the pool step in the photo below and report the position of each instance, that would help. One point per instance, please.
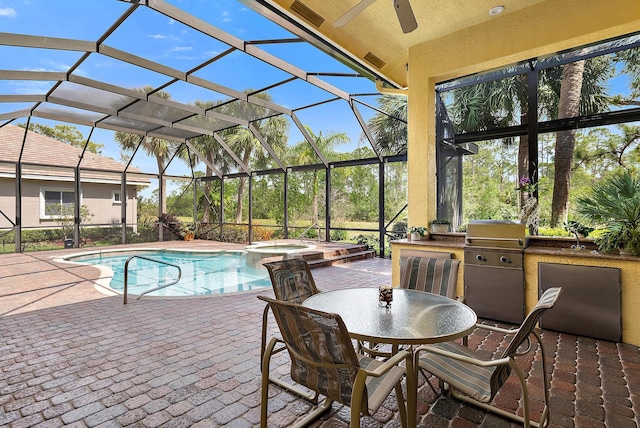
(328, 255)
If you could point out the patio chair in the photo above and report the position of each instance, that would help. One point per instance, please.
(476, 380)
(431, 272)
(292, 282)
(437, 275)
(323, 359)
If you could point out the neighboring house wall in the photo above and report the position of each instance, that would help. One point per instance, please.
(48, 164)
(98, 197)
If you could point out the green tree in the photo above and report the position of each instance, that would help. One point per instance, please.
(582, 91)
(65, 217)
(67, 134)
(576, 88)
(304, 154)
(159, 148)
(389, 129)
(243, 143)
(209, 148)
(629, 61)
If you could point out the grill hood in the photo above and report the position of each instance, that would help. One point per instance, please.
(495, 234)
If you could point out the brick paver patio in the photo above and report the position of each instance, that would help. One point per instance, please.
(72, 356)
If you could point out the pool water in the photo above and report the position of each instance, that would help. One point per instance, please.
(203, 273)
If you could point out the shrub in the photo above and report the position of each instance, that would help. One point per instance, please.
(238, 234)
(262, 233)
(399, 229)
(339, 235)
(613, 204)
(172, 224)
(553, 231)
(372, 242)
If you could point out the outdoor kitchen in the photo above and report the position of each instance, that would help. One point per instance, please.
(504, 272)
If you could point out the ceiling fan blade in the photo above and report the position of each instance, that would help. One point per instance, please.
(353, 12)
(405, 15)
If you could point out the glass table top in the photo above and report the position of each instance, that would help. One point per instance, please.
(414, 317)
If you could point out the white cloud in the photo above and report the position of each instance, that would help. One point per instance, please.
(30, 87)
(157, 36)
(181, 48)
(55, 66)
(9, 12)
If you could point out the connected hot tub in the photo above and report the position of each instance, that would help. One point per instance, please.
(260, 253)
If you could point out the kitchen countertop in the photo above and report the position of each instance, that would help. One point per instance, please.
(538, 245)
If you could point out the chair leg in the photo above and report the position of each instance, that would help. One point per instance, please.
(311, 396)
(308, 395)
(402, 409)
(324, 407)
(266, 357)
(263, 342)
(426, 378)
(525, 420)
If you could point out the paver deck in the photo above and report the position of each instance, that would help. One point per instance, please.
(72, 356)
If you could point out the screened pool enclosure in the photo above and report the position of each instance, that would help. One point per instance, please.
(215, 120)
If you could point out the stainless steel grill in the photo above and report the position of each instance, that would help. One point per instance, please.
(494, 270)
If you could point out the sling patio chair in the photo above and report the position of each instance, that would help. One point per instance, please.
(428, 271)
(476, 380)
(323, 359)
(292, 282)
(431, 273)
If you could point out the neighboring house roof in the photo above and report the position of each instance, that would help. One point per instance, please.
(43, 156)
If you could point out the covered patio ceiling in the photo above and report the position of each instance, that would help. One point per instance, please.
(371, 31)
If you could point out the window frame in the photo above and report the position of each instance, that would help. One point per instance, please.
(115, 201)
(43, 204)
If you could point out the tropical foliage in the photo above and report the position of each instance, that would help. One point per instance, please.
(613, 204)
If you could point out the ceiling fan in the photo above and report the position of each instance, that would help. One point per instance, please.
(403, 9)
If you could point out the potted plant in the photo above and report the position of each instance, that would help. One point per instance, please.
(419, 233)
(440, 225)
(188, 231)
(614, 204)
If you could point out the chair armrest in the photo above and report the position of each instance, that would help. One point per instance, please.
(459, 357)
(390, 363)
(497, 329)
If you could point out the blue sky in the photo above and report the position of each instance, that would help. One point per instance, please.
(160, 39)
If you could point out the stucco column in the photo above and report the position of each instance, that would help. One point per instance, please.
(421, 156)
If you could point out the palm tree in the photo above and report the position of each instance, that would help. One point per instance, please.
(241, 140)
(214, 155)
(159, 148)
(630, 61)
(304, 154)
(575, 89)
(389, 129)
(582, 91)
(492, 105)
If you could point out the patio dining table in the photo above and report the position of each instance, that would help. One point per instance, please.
(413, 318)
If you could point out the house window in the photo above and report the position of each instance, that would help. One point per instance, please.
(117, 198)
(55, 203)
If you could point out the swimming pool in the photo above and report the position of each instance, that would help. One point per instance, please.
(203, 272)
